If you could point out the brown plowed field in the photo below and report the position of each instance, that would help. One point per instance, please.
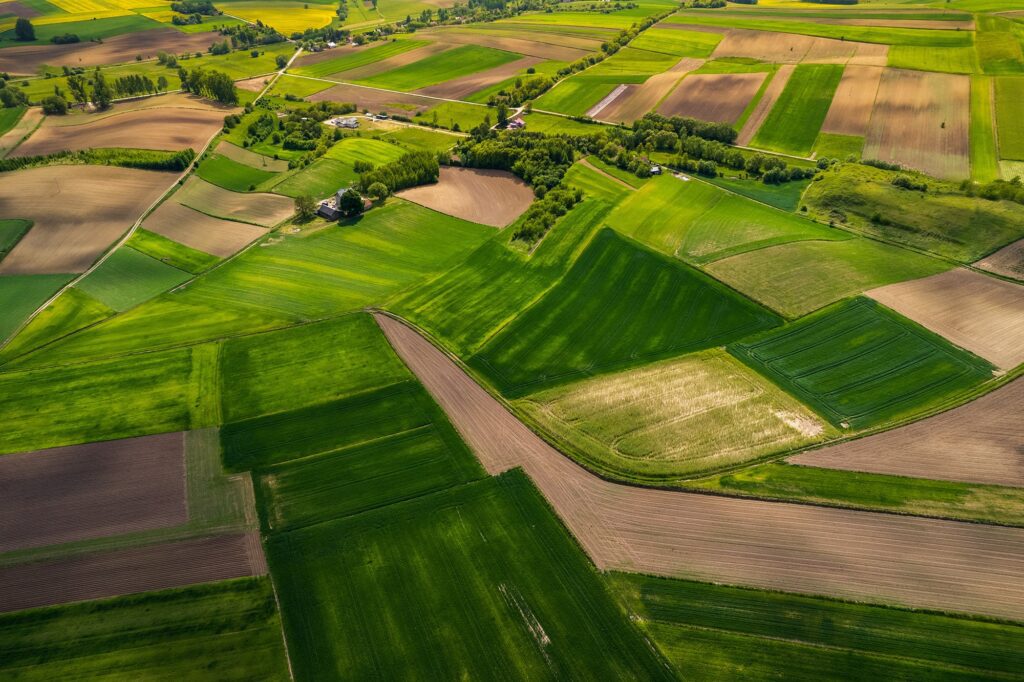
(251, 159)
(488, 197)
(870, 54)
(253, 84)
(123, 48)
(921, 120)
(1007, 261)
(390, 63)
(375, 100)
(850, 111)
(979, 442)
(26, 124)
(308, 58)
(128, 571)
(171, 100)
(720, 97)
(530, 48)
(17, 9)
(983, 314)
(764, 105)
(640, 99)
(799, 548)
(785, 48)
(169, 129)
(259, 208)
(457, 88)
(78, 211)
(190, 227)
(80, 492)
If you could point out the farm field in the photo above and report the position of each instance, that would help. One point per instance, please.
(793, 123)
(712, 97)
(22, 294)
(489, 197)
(72, 310)
(850, 111)
(444, 66)
(232, 175)
(1009, 104)
(129, 277)
(1007, 261)
(200, 231)
(264, 210)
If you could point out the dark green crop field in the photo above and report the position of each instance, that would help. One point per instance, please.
(714, 632)
(860, 364)
(129, 277)
(221, 631)
(620, 304)
(237, 177)
(476, 582)
(794, 121)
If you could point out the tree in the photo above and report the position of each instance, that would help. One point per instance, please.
(161, 84)
(502, 115)
(76, 84)
(305, 206)
(282, 61)
(54, 105)
(350, 203)
(101, 92)
(378, 191)
(23, 29)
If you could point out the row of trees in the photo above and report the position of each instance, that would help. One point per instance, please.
(412, 169)
(542, 214)
(539, 159)
(147, 159)
(215, 85)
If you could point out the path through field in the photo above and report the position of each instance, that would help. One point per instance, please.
(798, 548)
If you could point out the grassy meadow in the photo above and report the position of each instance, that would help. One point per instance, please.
(129, 277)
(792, 125)
(443, 66)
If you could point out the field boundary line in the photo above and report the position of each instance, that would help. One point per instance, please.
(392, 92)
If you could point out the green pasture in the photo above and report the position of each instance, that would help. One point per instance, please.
(171, 252)
(588, 21)
(20, 295)
(11, 232)
(792, 125)
(575, 96)
(414, 138)
(550, 124)
(223, 630)
(462, 114)
(9, 116)
(129, 277)
(677, 43)
(1009, 115)
(444, 66)
(547, 68)
(712, 632)
(294, 85)
(785, 196)
(633, 65)
(998, 43)
(72, 310)
(314, 363)
(984, 155)
(594, 184)
(930, 58)
(89, 29)
(624, 175)
(618, 305)
(348, 59)
(335, 170)
(942, 220)
(840, 147)
(478, 581)
(237, 177)
(859, 364)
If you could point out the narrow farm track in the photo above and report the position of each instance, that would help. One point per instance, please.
(867, 556)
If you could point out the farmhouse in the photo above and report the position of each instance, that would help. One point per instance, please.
(328, 208)
(343, 122)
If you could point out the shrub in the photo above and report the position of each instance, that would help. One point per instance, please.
(54, 105)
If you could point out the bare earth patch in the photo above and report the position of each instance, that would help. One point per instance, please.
(458, 88)
(488, 197)
(1007, 261)
(918, 562)
(80, 492)
(983, 314)
(785, 48)
(190, 227)
(171, 100)
(979, 442)
(764, 105)
(713, 97)
(640, 99)
(78, 211)
(851, 107)
(253, 84)
(921, 120)
(258, 208)
(25, 125)
(165, 128)
(404, 103)
(129, 571)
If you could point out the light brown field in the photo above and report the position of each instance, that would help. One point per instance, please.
(720, 97)
(619, 181)
(489, 197)
(252, 159)
(897, 23)
(983, 314)
(390, 63)
(164, 128)
(787, 48)
(851, 107)
(587, 43)
(308, 58)
(17, 9)
(1007, 261)
(531, 48)
(404, 103)
(921, 120)
(258, 208)
(764, 105)
(129, 571)
(458, 88)
(640, 99)
(25, 125)
(80, 492)
(979, 442)
(867, 556)
(78, 211)
(123, 48)
(253, 84)
(170, 100)
(190, 227)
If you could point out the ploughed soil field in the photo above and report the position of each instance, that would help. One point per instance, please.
(983, 314)
(26, 124)
(466, 85)
(979, 442)
(637, 100)
(792, 48)
(851, 107)
(259, 208)
(80, 492)
(375, 100)
(123, 48)
(799, 548)
(488, 197)
(536, 47)
(765, 104)
(76, 215)
(170, 129)
(128, 571)
(719, 97)
(195, 229)
(1007, 261)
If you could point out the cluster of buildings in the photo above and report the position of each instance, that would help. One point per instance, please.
(343, 122)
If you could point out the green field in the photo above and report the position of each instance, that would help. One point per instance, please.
(699, 223)
(313, 363)
(794, 121)
(998, 42)
(219, 631)
(129, 277)
(984, 155)
(90, 29)
(9, 116)
(476, 582)
(595, 185)
(677, 43)
(450, 114)
(335, 169)
(714, 632)
(171, 252)
(1009, 114)
(444, 66)
(859, 364)
(839, 147)
(72, 310)
(618, 305)
(575, 96)
(931, 58)
(11, 232)
(20, 295)
(349, 59)
(237, 177)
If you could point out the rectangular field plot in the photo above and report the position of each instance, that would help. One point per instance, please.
(619, 304)
(922, 120)
(851, 107)
(20, 295)
(459, 61)
(1009, 115)
(129, 277)
(859, 364)
(225, 630)
(712, 97)
(265, 210)
(680, 43)
(793, 123)
(329, 62)
(702, 412)
(577, 95)
(198, 231)
(719, 632)
(478, 581)
(232, 175)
